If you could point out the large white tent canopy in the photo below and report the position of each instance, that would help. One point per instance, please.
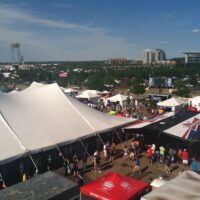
(43, 117)
(188, 129)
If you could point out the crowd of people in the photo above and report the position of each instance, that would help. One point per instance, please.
(170, 157)
(132, 152)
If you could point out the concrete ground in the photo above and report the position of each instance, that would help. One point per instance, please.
(122, 166)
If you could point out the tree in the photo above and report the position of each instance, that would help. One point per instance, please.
(181, 89)
(109, 80)
(95, 82)
(137, 87)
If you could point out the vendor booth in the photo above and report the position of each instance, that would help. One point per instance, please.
(118, 98)
(113, 186)
(175, 104)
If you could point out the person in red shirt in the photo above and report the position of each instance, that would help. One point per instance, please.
(185, 157)
(149, 154)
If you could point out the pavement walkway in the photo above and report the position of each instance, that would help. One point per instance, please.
(122, 166)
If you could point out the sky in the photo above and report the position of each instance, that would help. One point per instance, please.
(75, 30)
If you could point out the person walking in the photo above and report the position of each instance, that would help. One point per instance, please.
(136, 167)
(66, 165)
(98, 162)
(49, 162)
(125, 152)
(149, 154)
(95, 161)
(185, 157)
(112, 152)
(179, 156)
(194, 165)
(75, 164)
(79, 179)
(169, 162)
(162, 153)
(84, 158)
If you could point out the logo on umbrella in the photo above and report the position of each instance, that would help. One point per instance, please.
(108, 185)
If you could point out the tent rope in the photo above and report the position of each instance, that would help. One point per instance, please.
(118, 135)
(85, 149)
(17, 138)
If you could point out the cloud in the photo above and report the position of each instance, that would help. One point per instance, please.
(164, 42)
(196, 31)
(50, 39)
(10, 15)
(62, 5)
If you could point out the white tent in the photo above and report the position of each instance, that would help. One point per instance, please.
(70, 90)
(195, 102)
(91, 91)
(87, 95)
(183, 187)
(188, 129)
(118, 97)
(43, 117)
(173, 102)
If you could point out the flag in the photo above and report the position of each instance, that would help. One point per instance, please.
(63, 74)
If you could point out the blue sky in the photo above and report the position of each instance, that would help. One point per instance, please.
(98, 29)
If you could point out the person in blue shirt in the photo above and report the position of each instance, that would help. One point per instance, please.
(136, 166)
(194, 165)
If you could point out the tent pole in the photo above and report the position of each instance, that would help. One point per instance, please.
(100, 138)
(36, 171)
(85, 149)
(118, 135)
(60, 153)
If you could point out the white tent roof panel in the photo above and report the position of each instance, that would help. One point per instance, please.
(98, 120)
(173, 102)
(144, 123)
(118, 97)
(87, 95)
(42, 117)
(10, 146)
(183, 187)
(188, 129)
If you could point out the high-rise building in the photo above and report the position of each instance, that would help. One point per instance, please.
(116, 61)
(160, 55)
(149, 56)
(192, 57)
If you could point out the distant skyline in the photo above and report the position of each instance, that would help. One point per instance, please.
(72, 30)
